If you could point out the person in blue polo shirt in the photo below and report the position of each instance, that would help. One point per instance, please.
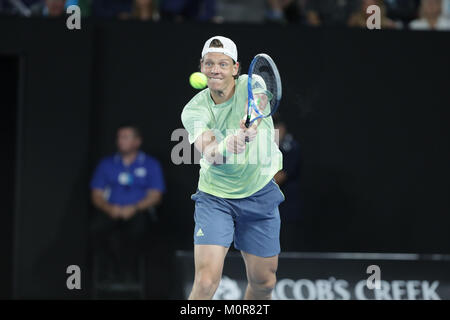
(125, 187)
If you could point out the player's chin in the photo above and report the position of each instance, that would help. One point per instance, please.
(215, 86)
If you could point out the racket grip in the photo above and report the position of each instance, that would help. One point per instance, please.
(247, 122)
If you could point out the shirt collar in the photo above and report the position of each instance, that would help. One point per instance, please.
(140, 158)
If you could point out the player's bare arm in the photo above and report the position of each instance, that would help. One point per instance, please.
(214, 152)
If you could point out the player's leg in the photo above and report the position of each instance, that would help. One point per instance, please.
(213, 234)
(261, 275)
(208, 270)
(257, 236)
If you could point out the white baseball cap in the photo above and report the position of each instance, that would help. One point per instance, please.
(229, 48)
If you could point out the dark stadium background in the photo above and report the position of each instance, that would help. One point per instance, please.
(370, 110)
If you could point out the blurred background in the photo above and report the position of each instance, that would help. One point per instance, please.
(363, 126)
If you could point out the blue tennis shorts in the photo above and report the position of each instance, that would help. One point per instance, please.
(253, 223)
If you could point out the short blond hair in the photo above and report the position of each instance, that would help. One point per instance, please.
(216, 43)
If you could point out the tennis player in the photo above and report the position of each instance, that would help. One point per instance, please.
(237, 199)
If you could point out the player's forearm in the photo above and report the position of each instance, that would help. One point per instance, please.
(208, 146)
(214, 153)
(217, 153)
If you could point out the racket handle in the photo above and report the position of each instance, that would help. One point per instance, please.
(247, 122)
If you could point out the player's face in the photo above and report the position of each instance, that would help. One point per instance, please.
(127, 141)
(220, 69)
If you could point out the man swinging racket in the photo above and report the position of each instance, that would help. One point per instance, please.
(237, 199)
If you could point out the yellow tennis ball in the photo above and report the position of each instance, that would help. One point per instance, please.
(198, 80)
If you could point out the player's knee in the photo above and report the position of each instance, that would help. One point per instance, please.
(206, 283)
(263, 285)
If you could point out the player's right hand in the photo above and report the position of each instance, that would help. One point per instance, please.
(251, 132)
(236, 143)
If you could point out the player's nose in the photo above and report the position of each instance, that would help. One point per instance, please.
(215, 69)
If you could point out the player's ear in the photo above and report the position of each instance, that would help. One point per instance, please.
(201, 65)
(235, 68)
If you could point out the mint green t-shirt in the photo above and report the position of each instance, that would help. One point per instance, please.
(241, 175)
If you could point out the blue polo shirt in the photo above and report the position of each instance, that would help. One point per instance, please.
(126, 185)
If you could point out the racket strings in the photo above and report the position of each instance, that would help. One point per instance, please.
(264, 70)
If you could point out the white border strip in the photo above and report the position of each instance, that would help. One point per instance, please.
(346, 256)
(351, 255)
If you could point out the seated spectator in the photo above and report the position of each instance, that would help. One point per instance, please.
(360, 16)
(430, 17)
(189, 10)
(401, 10)
(124, 188)
(85, 7)
(144, 10)
(284, 11)
(21, 8)
(329, 12)
(49, 8)
(111, 8)
(446, 8)
(249, 11)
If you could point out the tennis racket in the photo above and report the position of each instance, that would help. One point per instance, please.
(264, 88)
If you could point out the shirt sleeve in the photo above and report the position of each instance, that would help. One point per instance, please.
(195, 120)
(155, 177)
(99, 179)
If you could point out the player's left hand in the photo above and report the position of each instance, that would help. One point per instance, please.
(249, 133)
